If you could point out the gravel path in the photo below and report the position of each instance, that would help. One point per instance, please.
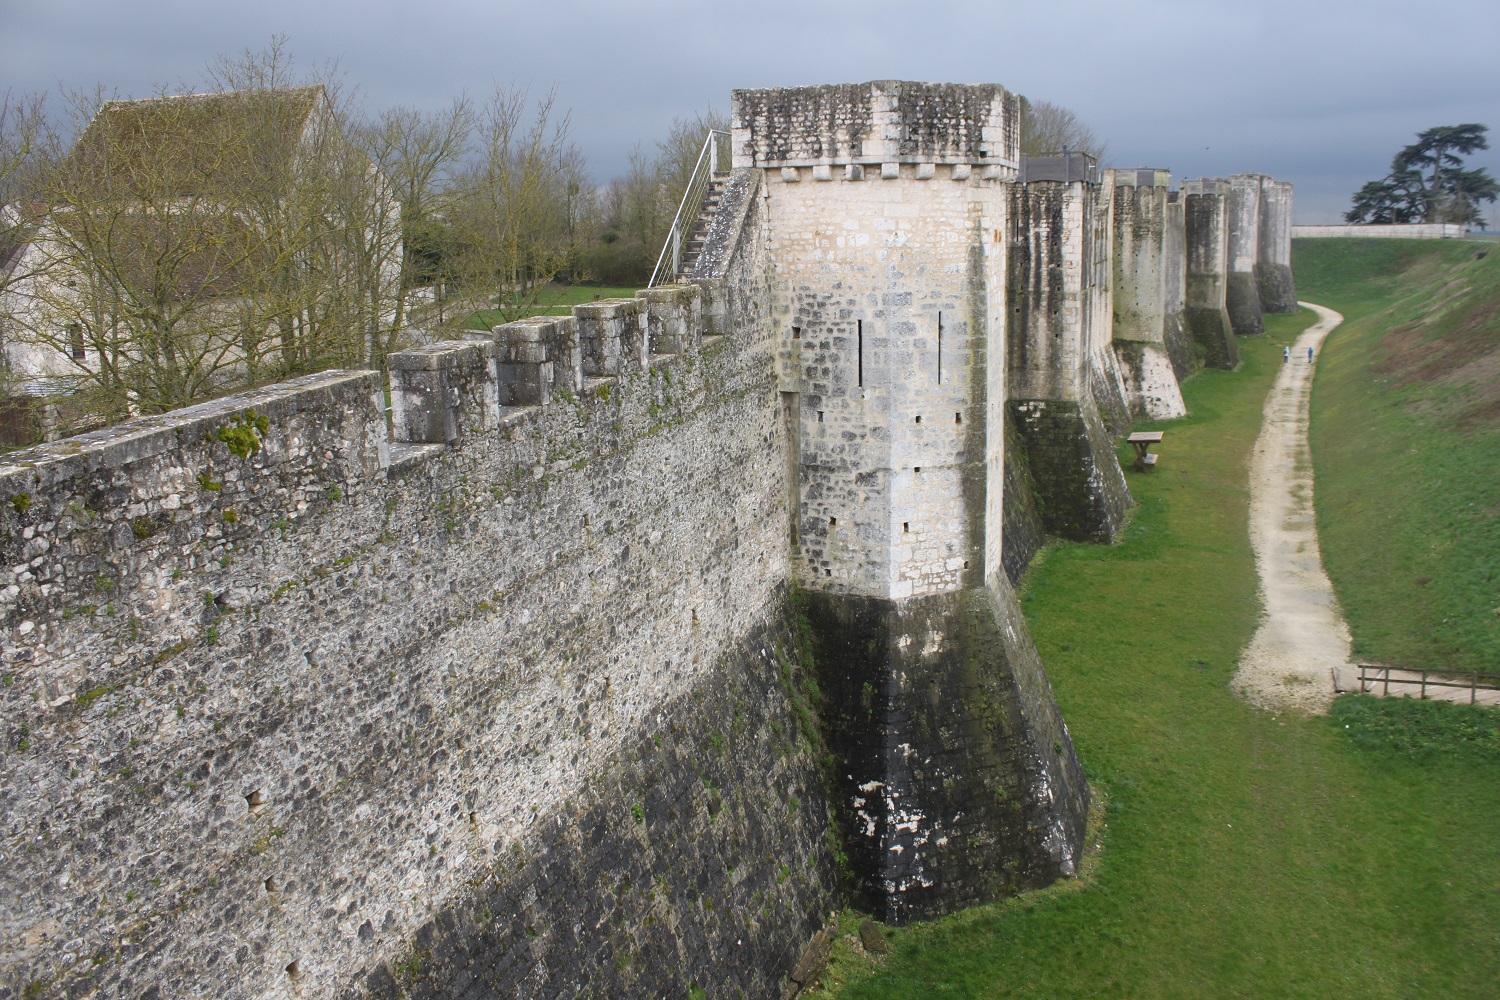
(1299, 657)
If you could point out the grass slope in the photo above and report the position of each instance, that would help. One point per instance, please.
(1406, 441)
(1244, 855)
(554, 300)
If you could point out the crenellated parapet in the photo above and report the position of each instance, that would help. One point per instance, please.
(286, 680)
(879, 125)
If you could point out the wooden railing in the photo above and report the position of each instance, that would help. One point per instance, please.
(1375, 676)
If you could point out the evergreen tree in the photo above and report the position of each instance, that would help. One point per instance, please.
(1428, 182)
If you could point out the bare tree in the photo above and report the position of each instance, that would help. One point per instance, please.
(27, 145)
(143, 242)
(638, 208)
(200, 243)
(1052, 128)
(419, 153)
(510, 214)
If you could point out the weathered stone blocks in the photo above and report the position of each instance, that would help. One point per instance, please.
(674, 317)
(441, 392)
(956, 777)
(1242, 289)
(611, 336)
(538, 357)
(1278, 292)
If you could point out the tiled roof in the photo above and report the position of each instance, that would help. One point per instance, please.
(194, 144)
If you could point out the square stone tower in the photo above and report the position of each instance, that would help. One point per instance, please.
(887, 213)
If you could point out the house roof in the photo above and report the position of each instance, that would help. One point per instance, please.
(196, 144)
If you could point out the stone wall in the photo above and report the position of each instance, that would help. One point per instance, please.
(295, 709)
(1146, 306)
(1278, 291)
(1242, 288)
(882, 122)
(1400, 231)
(960, 777)
(1206, 241)
(1056, 375)
(893, 306)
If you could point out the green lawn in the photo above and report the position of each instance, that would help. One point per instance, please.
(554, 300)
(1406, 441)
(1243, 854)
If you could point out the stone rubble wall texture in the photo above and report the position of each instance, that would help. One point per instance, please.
(507, 700)
(292, 709)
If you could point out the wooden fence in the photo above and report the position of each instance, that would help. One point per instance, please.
(1375, 676)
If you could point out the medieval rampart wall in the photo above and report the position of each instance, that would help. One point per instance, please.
(293, 708)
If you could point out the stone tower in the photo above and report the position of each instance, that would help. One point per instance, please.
(887, 211)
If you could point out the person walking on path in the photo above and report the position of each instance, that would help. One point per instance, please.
(1309, 355)
(1286, 354)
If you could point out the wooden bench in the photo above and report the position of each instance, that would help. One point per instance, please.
(1148, 460)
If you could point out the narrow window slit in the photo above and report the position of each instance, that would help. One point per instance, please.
(905, 527)
(939, 351)
(820, 416)
(796, 333)
(832, 521)
(958, 418)
(919, 418)
(859, 326)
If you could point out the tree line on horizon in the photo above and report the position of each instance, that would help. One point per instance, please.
(221, 252)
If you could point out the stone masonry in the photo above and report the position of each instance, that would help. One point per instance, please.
(889, 218)
(576, 671)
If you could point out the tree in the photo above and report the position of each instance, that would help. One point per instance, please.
(420, 152)
(638, 208)
(1050, 128)
(512, 214)
(26, 146)
(1428, 182)
(199, 243)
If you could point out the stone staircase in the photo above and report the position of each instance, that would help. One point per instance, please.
(694, 246)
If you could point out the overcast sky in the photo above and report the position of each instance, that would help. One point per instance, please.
(1318, 92)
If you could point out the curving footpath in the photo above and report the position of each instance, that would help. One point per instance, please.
(1299, 657)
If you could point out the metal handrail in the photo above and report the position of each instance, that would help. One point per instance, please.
(692, 204)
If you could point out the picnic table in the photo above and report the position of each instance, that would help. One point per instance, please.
(1143, 440)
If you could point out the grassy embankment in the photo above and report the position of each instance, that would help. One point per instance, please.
(554, 300)
(1244, 854)
(1406, 442)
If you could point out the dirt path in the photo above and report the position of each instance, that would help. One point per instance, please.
(1300, 654)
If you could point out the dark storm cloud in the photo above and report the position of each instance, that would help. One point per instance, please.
(1321, 93)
